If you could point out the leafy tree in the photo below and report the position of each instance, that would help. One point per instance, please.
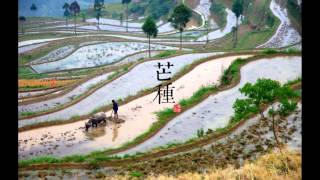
(243, 107)
(66, 12)
(74, 8)
(237, 8)
(98, 6)
(179, 19)
(150, 29)
(127, 2)
(33, 7)
(263, 91)
(22, 19)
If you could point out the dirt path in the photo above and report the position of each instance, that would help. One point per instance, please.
(138, 116)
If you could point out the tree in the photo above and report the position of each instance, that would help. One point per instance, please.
(127, 11)
(22, 19)
(75, 10)
(66, 12)
(266, 91)
(284, 108)
(207, 26)
(179, 19)
(121, 18)
(83, 16)
(98, 5)
(33, 7)
(150, 29)
(263, 91)
(237, 8)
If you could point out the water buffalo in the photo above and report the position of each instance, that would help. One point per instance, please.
(94, 121)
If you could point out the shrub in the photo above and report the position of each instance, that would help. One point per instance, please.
(135, 174)
(200, 133)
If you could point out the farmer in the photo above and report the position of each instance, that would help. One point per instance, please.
(115, 109)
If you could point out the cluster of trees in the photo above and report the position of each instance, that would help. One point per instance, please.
(218, 9)
(263, 92)
(72, 9)
(179, 19)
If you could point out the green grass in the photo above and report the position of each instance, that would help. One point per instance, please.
(197, 96)
(135, 174)
(26, 58)
(166, 54)
(218, 10)
(289, 83)
(26, 113)
(111, 10)
(254, 38)
(37, 160)
(232, 73)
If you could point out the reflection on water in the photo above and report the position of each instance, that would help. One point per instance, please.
(95, 132)
(115, 128)
(99, 131)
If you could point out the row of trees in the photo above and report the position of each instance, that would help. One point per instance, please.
(72, 9)
(179, 19)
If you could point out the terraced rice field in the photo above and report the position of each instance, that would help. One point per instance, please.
(118, 89)
(212, 113)
(97, 55)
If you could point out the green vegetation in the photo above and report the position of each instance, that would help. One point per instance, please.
(74, 9)
(118, 72)
(135, 174)
(98, 6)
(218, 10)
(164, 116)
(36, 160)
(269, 51)
(127, 2)
(27, 113)
(237, 8)
(232, 73)
(264, 91)
(66, 12)
(22, 19)
(27, 73)
(150, 29)
(200, 133)
(197, 96)
(179, 19)
(165, 54)
(155, 8)
(294, 10)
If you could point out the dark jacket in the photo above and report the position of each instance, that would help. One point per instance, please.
(115, 106)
